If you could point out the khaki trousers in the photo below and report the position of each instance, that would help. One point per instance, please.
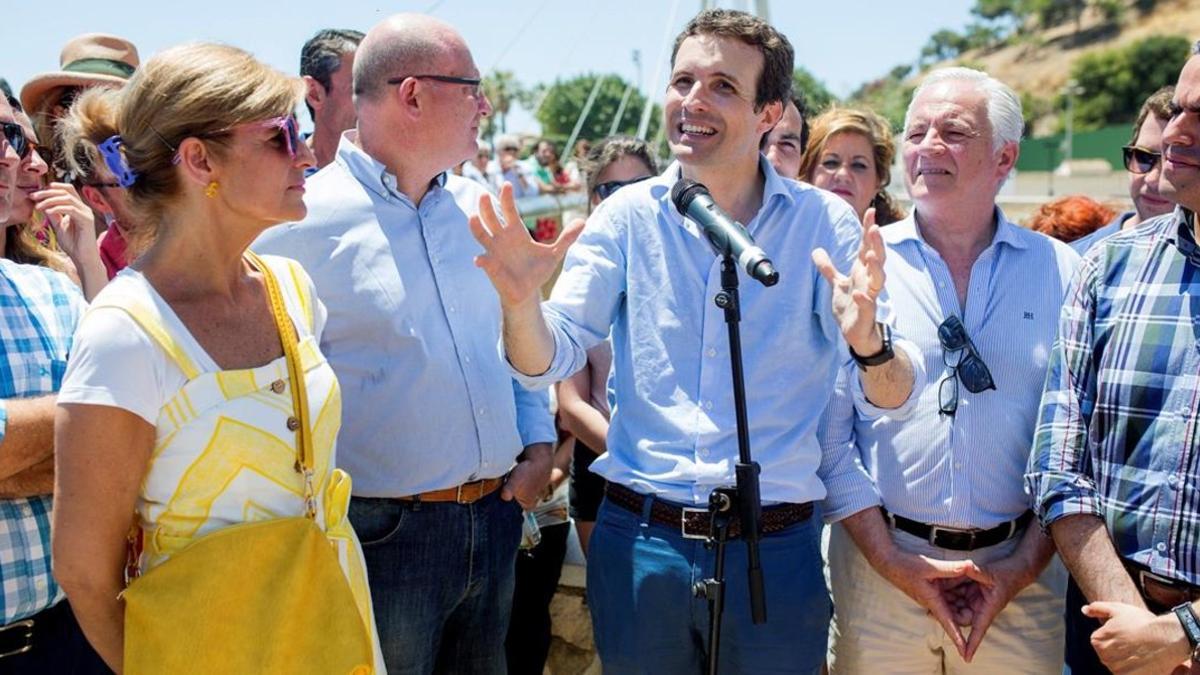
(878, 629)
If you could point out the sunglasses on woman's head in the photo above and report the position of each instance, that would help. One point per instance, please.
(1140, 160)
(604, 190)
(15, 136)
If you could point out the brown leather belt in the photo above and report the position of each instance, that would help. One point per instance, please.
(696, 523)
(1160, 593)
(467, 493)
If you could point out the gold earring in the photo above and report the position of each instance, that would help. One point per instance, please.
(211, 190)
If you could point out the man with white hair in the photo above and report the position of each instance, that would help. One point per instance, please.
(980, 297)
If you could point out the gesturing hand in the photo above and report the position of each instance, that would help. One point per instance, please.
(517, 265)
(854, 294)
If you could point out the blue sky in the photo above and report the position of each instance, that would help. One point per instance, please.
(844, 43)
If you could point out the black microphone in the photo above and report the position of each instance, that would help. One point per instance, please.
(726, 235)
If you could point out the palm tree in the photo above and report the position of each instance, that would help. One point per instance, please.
(502, 88)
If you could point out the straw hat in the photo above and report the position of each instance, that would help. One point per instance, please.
(89, 60)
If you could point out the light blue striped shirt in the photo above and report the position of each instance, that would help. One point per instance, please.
(966, 470)
(647, 272)
(412, 331)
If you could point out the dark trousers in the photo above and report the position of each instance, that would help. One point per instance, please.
(538, 571)
(59, 647)
(1080, 658)
(441, 579)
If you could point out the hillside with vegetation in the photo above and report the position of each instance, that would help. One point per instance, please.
(1109, 54)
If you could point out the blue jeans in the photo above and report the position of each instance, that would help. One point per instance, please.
(441, 579)
(647, 620)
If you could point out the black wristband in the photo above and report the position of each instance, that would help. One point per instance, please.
(880, 357)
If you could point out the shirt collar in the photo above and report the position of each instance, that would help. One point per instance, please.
(371, 172)
(1006, 231)
(773, 185)
(1182, 235)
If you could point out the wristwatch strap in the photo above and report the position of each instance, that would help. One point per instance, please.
(1191, 626)
(880, 357)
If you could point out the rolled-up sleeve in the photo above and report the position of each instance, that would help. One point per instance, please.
(535, 424)
(848, 487)
(1057, 477)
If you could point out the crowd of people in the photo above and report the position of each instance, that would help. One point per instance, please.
(276, 402)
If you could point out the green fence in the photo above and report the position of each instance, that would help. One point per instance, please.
(1047, 152)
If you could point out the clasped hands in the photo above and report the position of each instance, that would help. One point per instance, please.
(959, 594)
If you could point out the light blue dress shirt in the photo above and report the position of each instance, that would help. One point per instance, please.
(412, 330)
(647, 272)
(966, 470)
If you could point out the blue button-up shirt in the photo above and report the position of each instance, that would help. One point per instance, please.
(412, 330)
(1119, 433)
(965, 470)
(649, 273)
(39, 310)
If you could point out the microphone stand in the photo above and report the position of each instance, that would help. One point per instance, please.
(743, 500)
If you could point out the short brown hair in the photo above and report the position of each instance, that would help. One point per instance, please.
(610, 150)
(1159, 105)
(775, 80)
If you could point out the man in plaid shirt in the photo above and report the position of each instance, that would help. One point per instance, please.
(39, 309)
(1115, 468)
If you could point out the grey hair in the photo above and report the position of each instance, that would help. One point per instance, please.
(1003, 104)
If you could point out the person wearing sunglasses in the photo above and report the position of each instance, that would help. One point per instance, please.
(39, 208)
(1115, 467)
(42, 308)
(1143, 161)
(445, 448)
(208, 151)
(980, 297)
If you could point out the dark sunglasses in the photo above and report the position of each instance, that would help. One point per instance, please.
(15, 136)
(473, 82)
(1139, 160)
(969, 367)
(604, 190)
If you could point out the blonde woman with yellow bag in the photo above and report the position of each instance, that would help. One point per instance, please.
(199, 522)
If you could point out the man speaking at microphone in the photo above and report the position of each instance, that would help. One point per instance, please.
(648, 274)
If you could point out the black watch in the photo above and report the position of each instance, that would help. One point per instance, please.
(1191, 626)
(880, 357)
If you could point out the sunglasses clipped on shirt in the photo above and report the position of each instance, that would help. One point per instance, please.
(604, 190)
(14, 135)
(969, 367)
(1139, 160)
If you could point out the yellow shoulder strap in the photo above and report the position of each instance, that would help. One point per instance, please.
(152, 324)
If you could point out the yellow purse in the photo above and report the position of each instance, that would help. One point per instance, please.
(261, 597)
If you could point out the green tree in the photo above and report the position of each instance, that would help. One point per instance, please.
(502, 90)
(816, 94)
(942, 45)
(562, 102)
(1112, 84)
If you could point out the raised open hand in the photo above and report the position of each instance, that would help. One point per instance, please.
(854, 294)
(517, 265)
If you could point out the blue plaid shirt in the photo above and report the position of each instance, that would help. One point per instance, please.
(1118, 432)
(39, 310)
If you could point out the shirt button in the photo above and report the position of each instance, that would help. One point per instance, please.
(708, 405)
(482, 412)
(293, 424)
(278, 386)
(1160, 547)
(958, 465)
(40, 583)
(704, 452)
(712, 352)
(451, 308)
(466, 359)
